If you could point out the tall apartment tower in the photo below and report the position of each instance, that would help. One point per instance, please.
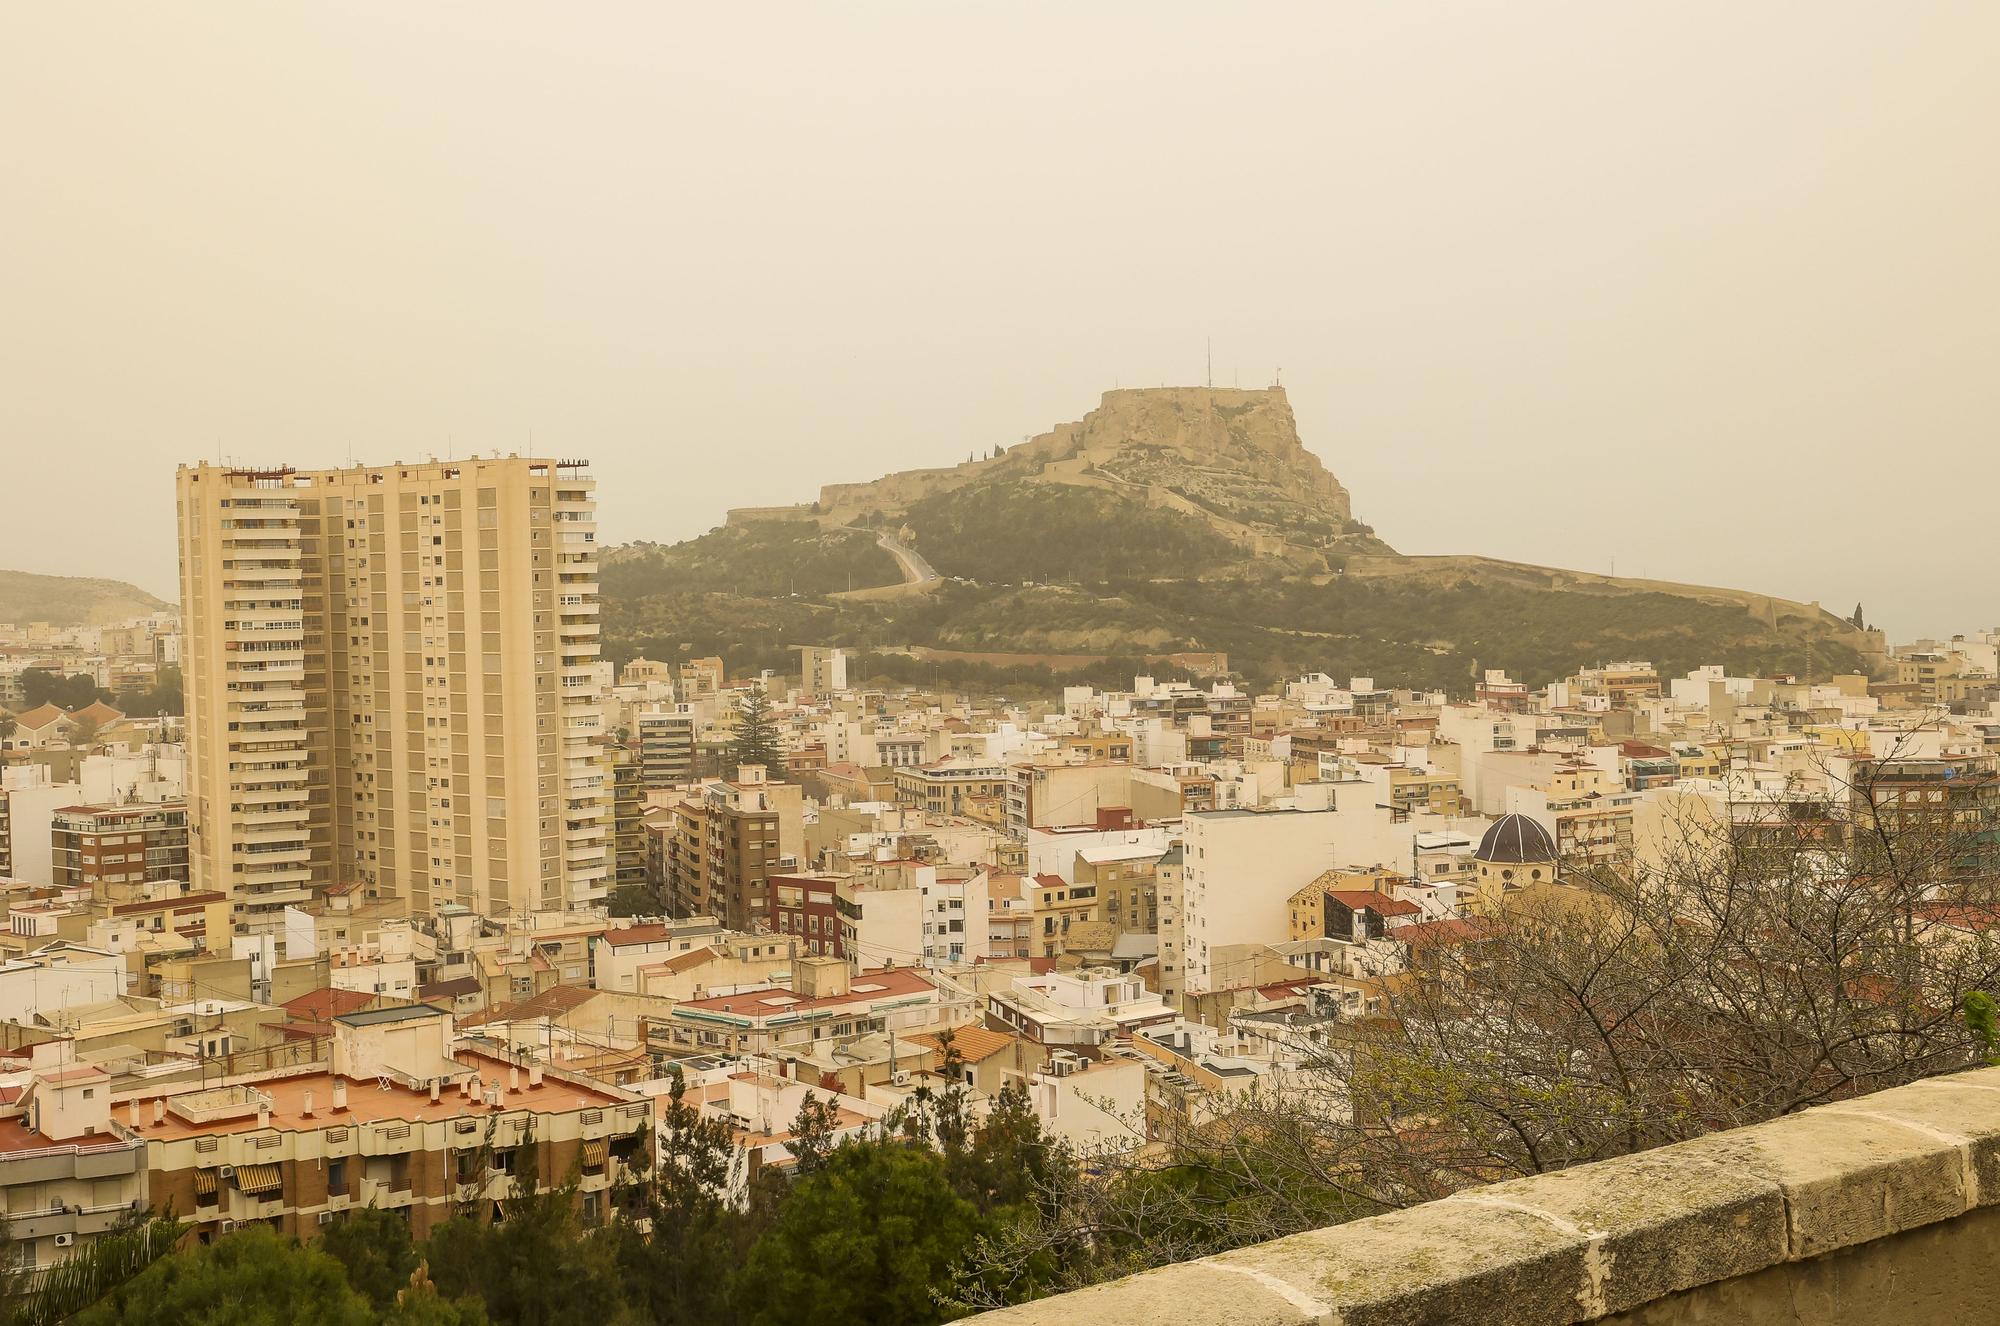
(391, 682)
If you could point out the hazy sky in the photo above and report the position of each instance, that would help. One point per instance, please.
(1710, 289)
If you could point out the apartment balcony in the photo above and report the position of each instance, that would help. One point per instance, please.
(273, 810)
(273, 855)
(49, 1164)
(274, 900)
(265, 828)
(264, 881)
(272, 701)
(269, 775)
(262, 671)
(278, 736)
(56, 1219)
(382, 1194)
(385, 1139)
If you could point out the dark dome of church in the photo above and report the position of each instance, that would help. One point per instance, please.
(1513, 839)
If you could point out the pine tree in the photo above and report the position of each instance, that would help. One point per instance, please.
(756, 740)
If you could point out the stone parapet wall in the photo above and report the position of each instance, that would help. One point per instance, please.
(1881, 1209)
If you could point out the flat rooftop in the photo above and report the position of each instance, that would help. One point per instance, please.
(368, 1101)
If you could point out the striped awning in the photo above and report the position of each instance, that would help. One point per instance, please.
(259, 1178)
(204, 1183)
(594, 1153)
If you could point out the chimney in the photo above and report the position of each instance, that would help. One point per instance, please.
(263, 1112)
(513, 1081)
(306, 1107)
(339, 1095)
(159, 1110)
(135, 1115)
(436, 1084)
(534, 1076)
(493, 1095)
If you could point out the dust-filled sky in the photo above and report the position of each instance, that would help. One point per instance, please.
(1710, 289)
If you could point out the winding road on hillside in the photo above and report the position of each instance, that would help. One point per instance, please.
(916, 571)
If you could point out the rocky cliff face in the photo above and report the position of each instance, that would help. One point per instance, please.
(1227, 455)
(1195, 430)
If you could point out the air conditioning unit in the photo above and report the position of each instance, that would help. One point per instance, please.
(64, 1240)
(228, 1225)
(326, 1217)
(225, 1171)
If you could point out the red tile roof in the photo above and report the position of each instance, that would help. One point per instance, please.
(974, 1044)
(40, 717)
(651, 933)
(1379, 903)
(327, 1002)
(183, 902)
(775, 1001)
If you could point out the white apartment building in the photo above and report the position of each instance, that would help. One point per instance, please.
(667, 736)
(392, 681)
(822, 671)
(1242, 865)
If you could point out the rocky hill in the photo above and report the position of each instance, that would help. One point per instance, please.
(1166, 522)
(1227, 458)
(72, 600)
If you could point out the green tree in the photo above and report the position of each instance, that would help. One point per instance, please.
(88, 1275)
(253, 1277)
(162, 697)
(1012, 1163)
(509, 1264)
(681, 1272)
(812, 1133)
(40, 686)
(756, 739)
(643, 899)
(424, 1306)
(863, 1241)
(375, 1248)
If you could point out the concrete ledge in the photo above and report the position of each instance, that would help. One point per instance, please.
(1843, 1181)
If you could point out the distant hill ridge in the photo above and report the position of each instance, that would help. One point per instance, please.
(72, 600)
(1170, 520)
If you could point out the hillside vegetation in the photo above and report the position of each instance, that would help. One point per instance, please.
(72, 600)
(764, 560)
(1011, 532)
(1167, 520)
